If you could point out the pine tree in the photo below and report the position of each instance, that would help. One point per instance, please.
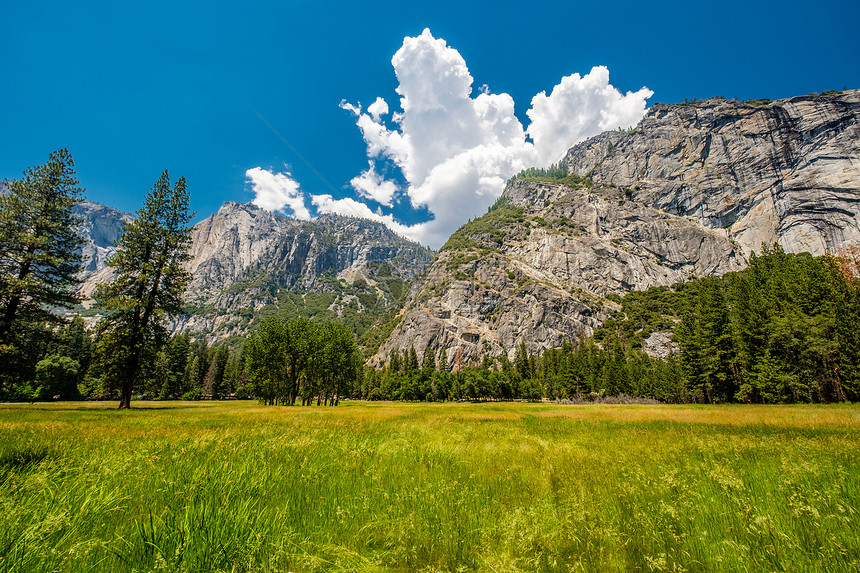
(213, 381)
(39, 244)
(428, 363)
(443, 360)
(412, 360)
(177, 352)
(149, 284)
(394, 360)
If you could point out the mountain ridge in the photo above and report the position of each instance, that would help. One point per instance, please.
(246, 260)
(692, 191)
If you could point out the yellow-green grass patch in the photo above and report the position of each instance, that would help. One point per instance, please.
(217, 486)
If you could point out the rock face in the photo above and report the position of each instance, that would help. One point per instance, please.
(101, 227)
(228, 243)
(692, 191)
(784, 172)
(245, 259)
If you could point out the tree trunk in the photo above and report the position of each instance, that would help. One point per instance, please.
(128, 382)
(15, 300)
(125, 396)
(9, 318)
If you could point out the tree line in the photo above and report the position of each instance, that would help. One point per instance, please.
(583, 372)
(782, 330)
(785, 329)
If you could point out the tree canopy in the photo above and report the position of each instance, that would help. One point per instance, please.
(39, 244)
(299, 358)
(148, 288)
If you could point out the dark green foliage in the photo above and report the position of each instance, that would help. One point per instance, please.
(213, 381)
(148, 288)
(585, 372)
(644, 312)
(39, 259)
(782, 330)
(29, 345)
(57, 378)
(39, 245)
(175, 360)
(287, 360)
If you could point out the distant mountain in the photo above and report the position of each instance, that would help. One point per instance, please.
(248, 263)
(692, 191)
(101, 227)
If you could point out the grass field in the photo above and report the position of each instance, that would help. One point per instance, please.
(429, 487)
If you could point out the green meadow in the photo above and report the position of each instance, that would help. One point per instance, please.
(491, 487)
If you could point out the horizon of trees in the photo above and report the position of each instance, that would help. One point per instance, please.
(782, 330)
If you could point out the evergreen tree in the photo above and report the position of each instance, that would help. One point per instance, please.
(39, 245)
(75, 342)
(148, 288)
(213, 381)
(428, 364)
(394, 360)
(443, 360)
(161, 375)
(412, 360)
(176, 351)
(521, 361)
(193, 383)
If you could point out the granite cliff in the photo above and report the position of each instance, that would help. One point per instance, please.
(692, 191)
(101, 226)
(248, 263)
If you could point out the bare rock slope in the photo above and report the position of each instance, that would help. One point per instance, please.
(692, 191)
(247, 263)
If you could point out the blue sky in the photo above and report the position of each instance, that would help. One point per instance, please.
(213, 90)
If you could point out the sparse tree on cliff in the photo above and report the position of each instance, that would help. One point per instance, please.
(149, 284)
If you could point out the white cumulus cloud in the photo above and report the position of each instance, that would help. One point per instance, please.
(351, 208)
(377, 109)
(276, 191)
(456, 151)
(371, 185)
(578, 108)
(456, 148)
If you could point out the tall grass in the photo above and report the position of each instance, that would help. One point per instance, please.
(429, 487)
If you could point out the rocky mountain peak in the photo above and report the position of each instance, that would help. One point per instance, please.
(764, 172)
(692, 191)
(245, 259)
